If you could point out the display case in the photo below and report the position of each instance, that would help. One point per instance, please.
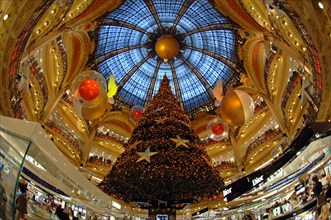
(13, 150)
(26, 150)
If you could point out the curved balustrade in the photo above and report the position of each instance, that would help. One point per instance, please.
(63, 53)
(73, 141)
(19, 49)
(266, 136)
(271, 57)
(226, 165)
(99, 160)
(294, 81)
(38, 73)
(109, 137)
(313, 55)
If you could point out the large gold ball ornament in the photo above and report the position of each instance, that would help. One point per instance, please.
(95, 111)
(237, 107)
(167, 47)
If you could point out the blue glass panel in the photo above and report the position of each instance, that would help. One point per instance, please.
(223, 42)
(134, 12)
(204, 13)
(167, 11)
(113, 38)
(112, 55)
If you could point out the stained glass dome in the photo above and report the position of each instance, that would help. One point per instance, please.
(126, 41)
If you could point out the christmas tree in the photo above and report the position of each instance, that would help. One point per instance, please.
(163, 159)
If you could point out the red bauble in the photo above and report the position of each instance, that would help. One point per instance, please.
(217, 128)
(136, 114)
(89, 89)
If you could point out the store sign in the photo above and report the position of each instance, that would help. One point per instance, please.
(116, 205)
(227, 191)
(257, 180)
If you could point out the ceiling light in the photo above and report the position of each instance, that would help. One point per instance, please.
(320, 5)
(5, 17)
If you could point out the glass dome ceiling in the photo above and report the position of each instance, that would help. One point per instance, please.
(126, 48)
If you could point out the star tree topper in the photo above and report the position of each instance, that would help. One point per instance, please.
(146, 155)
(180, 142)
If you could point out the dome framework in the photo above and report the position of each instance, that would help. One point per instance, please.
(126, 41)
(41, 59)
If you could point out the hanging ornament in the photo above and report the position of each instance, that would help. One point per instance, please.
(217, 129)
(112, 87)
(218, 92)
(89, 94)
(237, 107)
(146, 155)
(89, 89)
(136, 113)
(167, 47)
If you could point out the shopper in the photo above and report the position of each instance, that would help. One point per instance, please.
(59, 212)
(325, 212)
(305, 196)
(22, 201)
(3, 197)
(328, 187)
(294, 202)
(93, 217)
(249, 216)
(317, 186)
(79, 216)
(70, 215)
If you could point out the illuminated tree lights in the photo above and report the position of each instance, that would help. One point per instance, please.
(178, 170)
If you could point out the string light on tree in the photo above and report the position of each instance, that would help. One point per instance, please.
(176, 169)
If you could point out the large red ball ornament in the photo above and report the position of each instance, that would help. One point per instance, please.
(89, 96)
(89, 89)
(136, 114)
(217, 128)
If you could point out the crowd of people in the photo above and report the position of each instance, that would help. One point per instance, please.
(313, 189)
(53, 209)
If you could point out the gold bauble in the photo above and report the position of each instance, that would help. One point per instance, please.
(167, 47)
(237, 107)
(95, 111)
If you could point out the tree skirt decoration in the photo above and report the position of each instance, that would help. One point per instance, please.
(163, 159)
